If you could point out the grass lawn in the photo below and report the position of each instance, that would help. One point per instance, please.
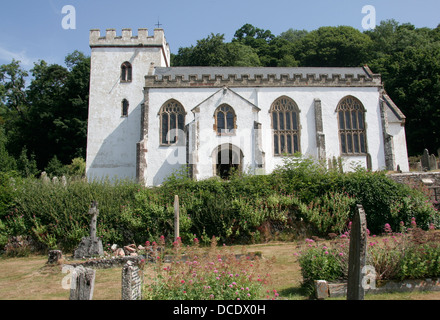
(29, 278)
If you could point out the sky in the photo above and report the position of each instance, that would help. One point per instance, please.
(33, 30)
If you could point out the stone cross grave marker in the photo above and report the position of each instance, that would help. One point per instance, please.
(90, 246)
(357, 255)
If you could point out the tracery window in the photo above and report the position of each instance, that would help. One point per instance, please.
(172, 122)
(285, 126)
(126, 72)
(351, 121)
(124, 109)
(225, 120)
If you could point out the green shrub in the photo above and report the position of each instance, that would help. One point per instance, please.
(298, 199)
(56, 215)
(321, 263)
(6, 193)
(330, 213)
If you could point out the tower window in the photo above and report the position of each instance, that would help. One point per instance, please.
(126, 72)
(125, 105)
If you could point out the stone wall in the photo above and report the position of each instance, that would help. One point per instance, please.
(113, 262)
(428, 181)
(417, 178)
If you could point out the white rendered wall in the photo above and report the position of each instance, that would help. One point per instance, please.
(111, 138)
(397, 130)
(162, 161)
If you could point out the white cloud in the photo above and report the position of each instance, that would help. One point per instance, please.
(7, 56)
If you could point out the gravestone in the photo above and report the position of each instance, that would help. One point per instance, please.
(90, 246)
(176, 217)
(82, 283)
(54, 256)
(432, 162)
(131, 282)
(425, 160)
(357, 255)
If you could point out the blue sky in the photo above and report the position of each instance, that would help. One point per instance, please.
(32, 29)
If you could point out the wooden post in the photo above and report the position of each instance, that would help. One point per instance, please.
(176, 217)
(357, 255)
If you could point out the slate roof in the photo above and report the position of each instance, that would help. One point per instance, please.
(252, 71)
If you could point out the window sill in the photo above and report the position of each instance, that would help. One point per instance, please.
(353, 154)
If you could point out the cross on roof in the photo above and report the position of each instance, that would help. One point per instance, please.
(158, 24)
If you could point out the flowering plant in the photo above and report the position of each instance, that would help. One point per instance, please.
(195, 273)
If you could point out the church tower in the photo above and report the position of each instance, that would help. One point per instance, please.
(119, 65)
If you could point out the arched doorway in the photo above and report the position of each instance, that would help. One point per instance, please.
(227, 159)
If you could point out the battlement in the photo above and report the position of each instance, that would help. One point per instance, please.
(127, 39)
(261, 77)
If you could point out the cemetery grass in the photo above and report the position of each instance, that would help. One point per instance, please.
(29, 278)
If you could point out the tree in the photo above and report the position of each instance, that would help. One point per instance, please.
(413, 82)
(292, 35)
(408, 60)
(12, 89)
(341, 46)
(213, 51)
(49, 116)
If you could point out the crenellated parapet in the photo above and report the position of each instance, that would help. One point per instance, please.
(111, 39)
(262, 77)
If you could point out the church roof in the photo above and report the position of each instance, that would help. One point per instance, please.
(251, 72)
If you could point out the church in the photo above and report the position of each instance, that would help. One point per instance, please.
(148, 120)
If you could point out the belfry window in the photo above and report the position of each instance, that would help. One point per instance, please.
(126, 72)
(172, 122)
(225, 120)
(125, 105)
(285, 126)
(351, 119)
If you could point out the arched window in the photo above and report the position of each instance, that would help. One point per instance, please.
(124, 109)
(126, 72)
(351, 126)
(172, 122)
(285, 126)
(225, 120)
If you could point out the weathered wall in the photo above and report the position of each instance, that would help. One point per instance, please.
(112, 138)
(253, 104)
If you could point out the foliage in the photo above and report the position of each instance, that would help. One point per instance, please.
(298, 199)
(56, 215)
(411, 254)
(340, 46)
(321, 263)
(48, 117)
(214, 274)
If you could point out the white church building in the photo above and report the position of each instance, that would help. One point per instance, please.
(148, 119)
